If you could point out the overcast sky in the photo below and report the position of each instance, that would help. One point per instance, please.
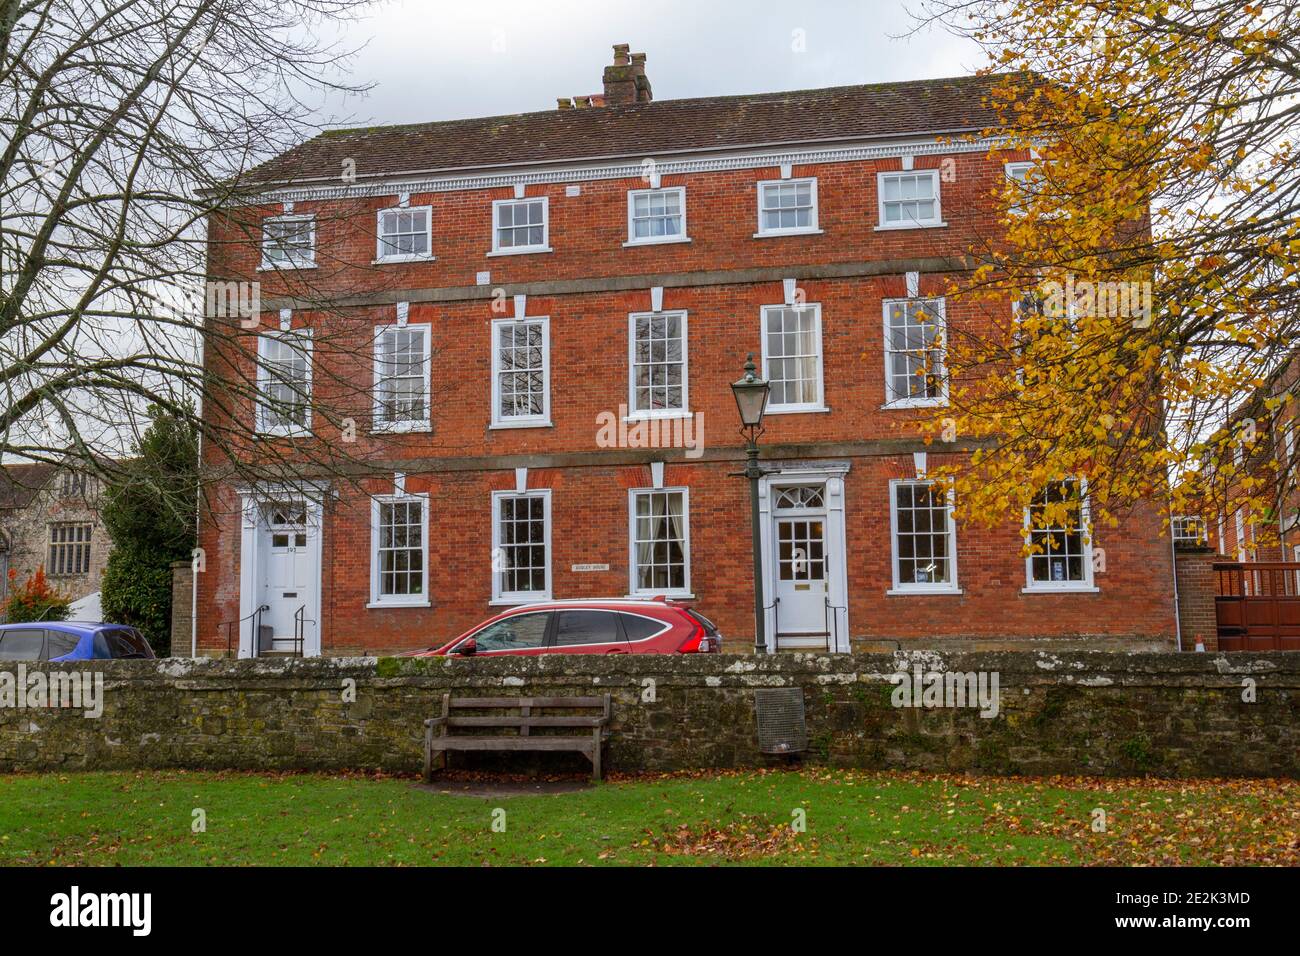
(434, 59)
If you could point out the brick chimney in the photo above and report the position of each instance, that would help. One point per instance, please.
(625, 81)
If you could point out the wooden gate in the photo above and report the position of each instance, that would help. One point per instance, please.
(1257, 607)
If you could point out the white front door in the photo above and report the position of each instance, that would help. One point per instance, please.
(288, 574)
(801, 586)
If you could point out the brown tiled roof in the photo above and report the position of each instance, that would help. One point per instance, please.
(953, 105)
(20, 483)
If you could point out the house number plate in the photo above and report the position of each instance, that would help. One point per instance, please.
(589, 567)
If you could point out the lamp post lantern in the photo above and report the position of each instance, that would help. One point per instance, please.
(751, 399)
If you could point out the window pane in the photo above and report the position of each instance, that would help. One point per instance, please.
(521, 632)
(521, 537)
(285, 378)
(659, 359)
(521, 370)
(793, 353)
(400, 548)
(786, 205)
(520, 224)
(587, 627)
(401, 376)
(659, 544)
(914, 354)
(656, 214)
(1056, 535)
(909, 197)
(921, 540)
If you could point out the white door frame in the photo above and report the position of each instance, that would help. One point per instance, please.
(808, 473)
(250, 555)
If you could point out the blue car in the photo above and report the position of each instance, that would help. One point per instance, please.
(71, 641)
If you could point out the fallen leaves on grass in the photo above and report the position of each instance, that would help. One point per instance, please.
(747, 838)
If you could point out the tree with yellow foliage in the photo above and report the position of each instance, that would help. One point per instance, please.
(1146, 286)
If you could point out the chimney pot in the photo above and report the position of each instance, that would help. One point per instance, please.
(625, 80)
(582, 102)
(564, 103)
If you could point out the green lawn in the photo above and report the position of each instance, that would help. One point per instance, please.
(851, 818)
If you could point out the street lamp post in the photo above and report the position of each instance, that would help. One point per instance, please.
(751, 399)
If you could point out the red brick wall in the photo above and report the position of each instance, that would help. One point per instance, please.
(589, 374)
(587, 231)
(1197, 586)
(590, 525)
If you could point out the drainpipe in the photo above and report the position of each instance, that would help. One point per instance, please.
(198, 510)
(1173, 562)
(194, 572)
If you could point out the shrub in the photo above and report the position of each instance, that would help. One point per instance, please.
(36, 600)
(149, 513)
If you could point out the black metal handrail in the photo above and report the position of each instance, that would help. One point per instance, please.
(299, 630)
(231, 629)
(776, 620)
(830, 608)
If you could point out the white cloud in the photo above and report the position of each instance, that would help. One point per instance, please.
(431, 60)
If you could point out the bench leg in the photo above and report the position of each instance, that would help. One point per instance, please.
(428, 755)
(595, 760)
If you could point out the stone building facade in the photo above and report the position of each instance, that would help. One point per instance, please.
(49, 517)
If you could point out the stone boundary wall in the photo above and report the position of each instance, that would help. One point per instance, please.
(1059, 712)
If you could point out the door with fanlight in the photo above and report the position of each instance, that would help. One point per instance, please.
(801, 567)
(288, 576)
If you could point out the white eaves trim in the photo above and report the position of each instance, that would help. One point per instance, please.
(622, 169)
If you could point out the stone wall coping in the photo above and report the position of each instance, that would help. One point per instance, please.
(1079, 667)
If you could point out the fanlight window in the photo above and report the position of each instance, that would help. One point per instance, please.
(288, 524)
(800, 496)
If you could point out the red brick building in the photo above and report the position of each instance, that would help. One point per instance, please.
(534, 324)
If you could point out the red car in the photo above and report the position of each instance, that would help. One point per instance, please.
(610, 626)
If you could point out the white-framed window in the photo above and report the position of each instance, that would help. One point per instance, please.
(656, 215)
(1239, 518)
(657, 359)
(909, 199)
(521, 372)
(914, 361)
(284, 382)
(69, 548)
(520, 225)
(405, 234)
(1027, 315)
(792, 357)
(521, 546)
(289, 242)
(787, 207)
(402, 377)
(1060, 544)
(1018, 175)
(924, 537)
(1188, 529)
(660, 537)
(399, 551)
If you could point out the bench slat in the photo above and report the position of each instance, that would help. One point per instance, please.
(583, 744)
(514, 703)
(525, 721)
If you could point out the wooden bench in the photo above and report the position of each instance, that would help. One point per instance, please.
(523, 720)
